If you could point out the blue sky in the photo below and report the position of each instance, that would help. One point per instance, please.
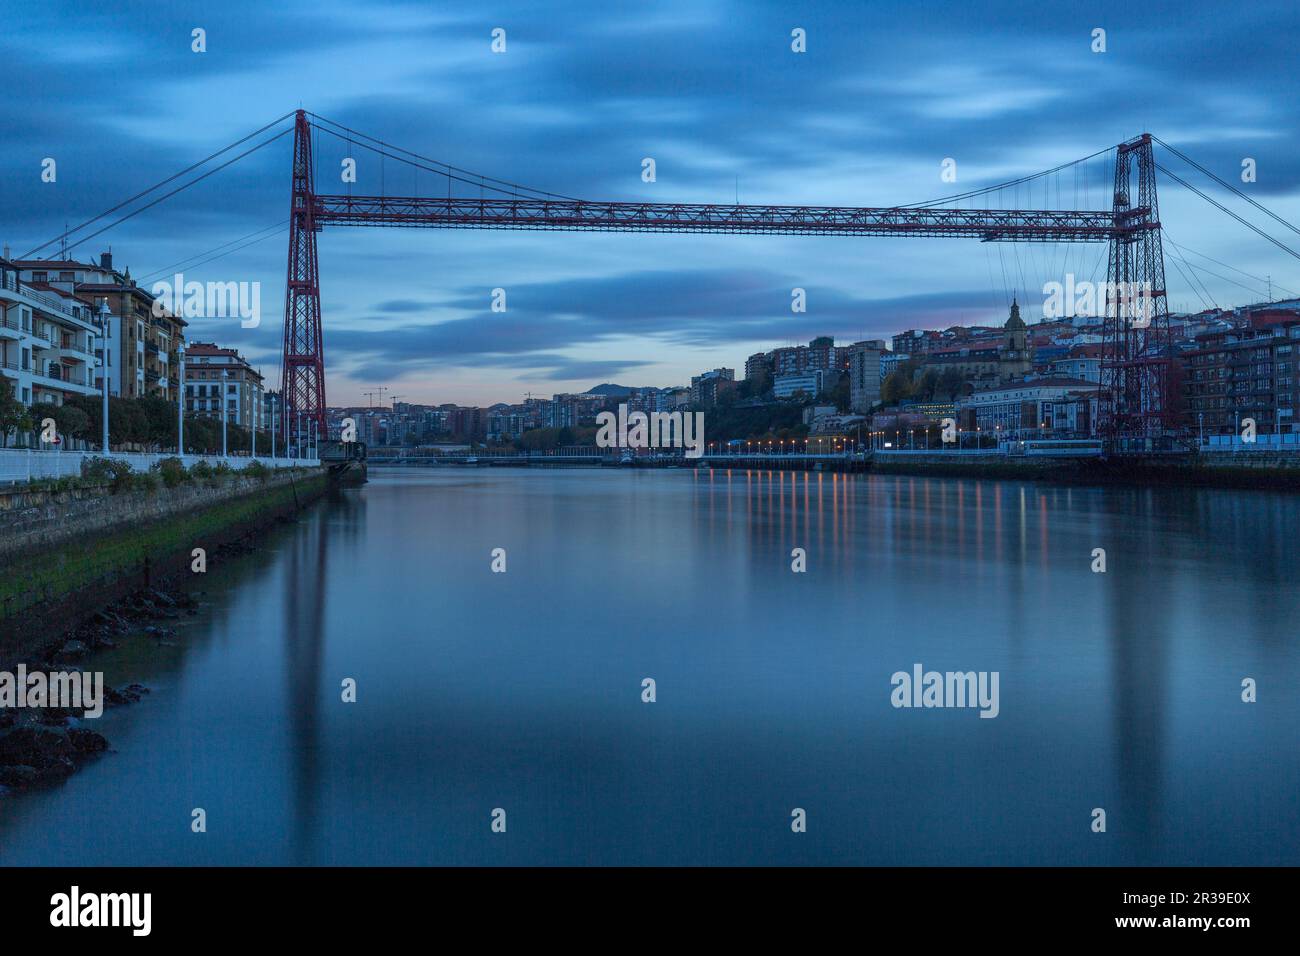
(584, 91)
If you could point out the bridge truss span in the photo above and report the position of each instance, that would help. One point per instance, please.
(1006, 225)
(1135, 367)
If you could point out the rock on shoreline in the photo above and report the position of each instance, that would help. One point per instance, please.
(46, 746)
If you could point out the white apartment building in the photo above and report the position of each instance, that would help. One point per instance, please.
(811, 383)
(48, 341)
(144, 341)
(1040, 407)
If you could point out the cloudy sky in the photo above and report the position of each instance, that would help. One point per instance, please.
(584, 91)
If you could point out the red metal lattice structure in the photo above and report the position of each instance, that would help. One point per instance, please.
(1131, 229)
(1135, 399)
(302, 369)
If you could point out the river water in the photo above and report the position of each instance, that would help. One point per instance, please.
(522, 690)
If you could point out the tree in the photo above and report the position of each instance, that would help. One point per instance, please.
(951, 383)
(928, 384)
(839, 395)
(202, 434)
(159, 422)
(896, 387)
(13, 414)
(92, 408)
(71, 421)
(126, 422)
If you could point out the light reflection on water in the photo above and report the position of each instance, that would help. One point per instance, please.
(522, 690)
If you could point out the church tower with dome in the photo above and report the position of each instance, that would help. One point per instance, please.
(1015, 360)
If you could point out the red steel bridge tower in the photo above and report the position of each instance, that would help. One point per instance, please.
(302, 369)
(1134, 397)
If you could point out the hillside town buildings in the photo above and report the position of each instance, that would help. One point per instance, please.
(64, 322)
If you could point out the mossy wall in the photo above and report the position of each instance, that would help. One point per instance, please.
(46, 591)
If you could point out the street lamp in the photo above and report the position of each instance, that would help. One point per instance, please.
(224, 376)
(272, 428)
(180, 402)
(106, 330)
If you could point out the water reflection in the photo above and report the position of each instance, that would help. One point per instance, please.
(1120, 690)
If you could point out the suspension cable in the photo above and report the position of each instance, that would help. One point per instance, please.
(447, 169)
(1226, 185)
(1222, 208)
(158, 185)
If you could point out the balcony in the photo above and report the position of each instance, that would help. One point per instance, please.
(10, 327)
(70, 351)
(41, 300)
(64, 379)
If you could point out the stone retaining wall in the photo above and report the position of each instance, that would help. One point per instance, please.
(33, 521)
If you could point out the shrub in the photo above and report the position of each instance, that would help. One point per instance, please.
(172, 471)
(255, 469)
(115, 473)
(145, 481)
(200, 470)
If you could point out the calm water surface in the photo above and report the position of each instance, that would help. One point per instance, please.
(523, 690)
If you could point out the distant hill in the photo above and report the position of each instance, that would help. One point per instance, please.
(615, 391)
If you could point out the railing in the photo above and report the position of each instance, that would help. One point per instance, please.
(1288, 442)
(63, 378)
(47, 301)
(26, 464)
